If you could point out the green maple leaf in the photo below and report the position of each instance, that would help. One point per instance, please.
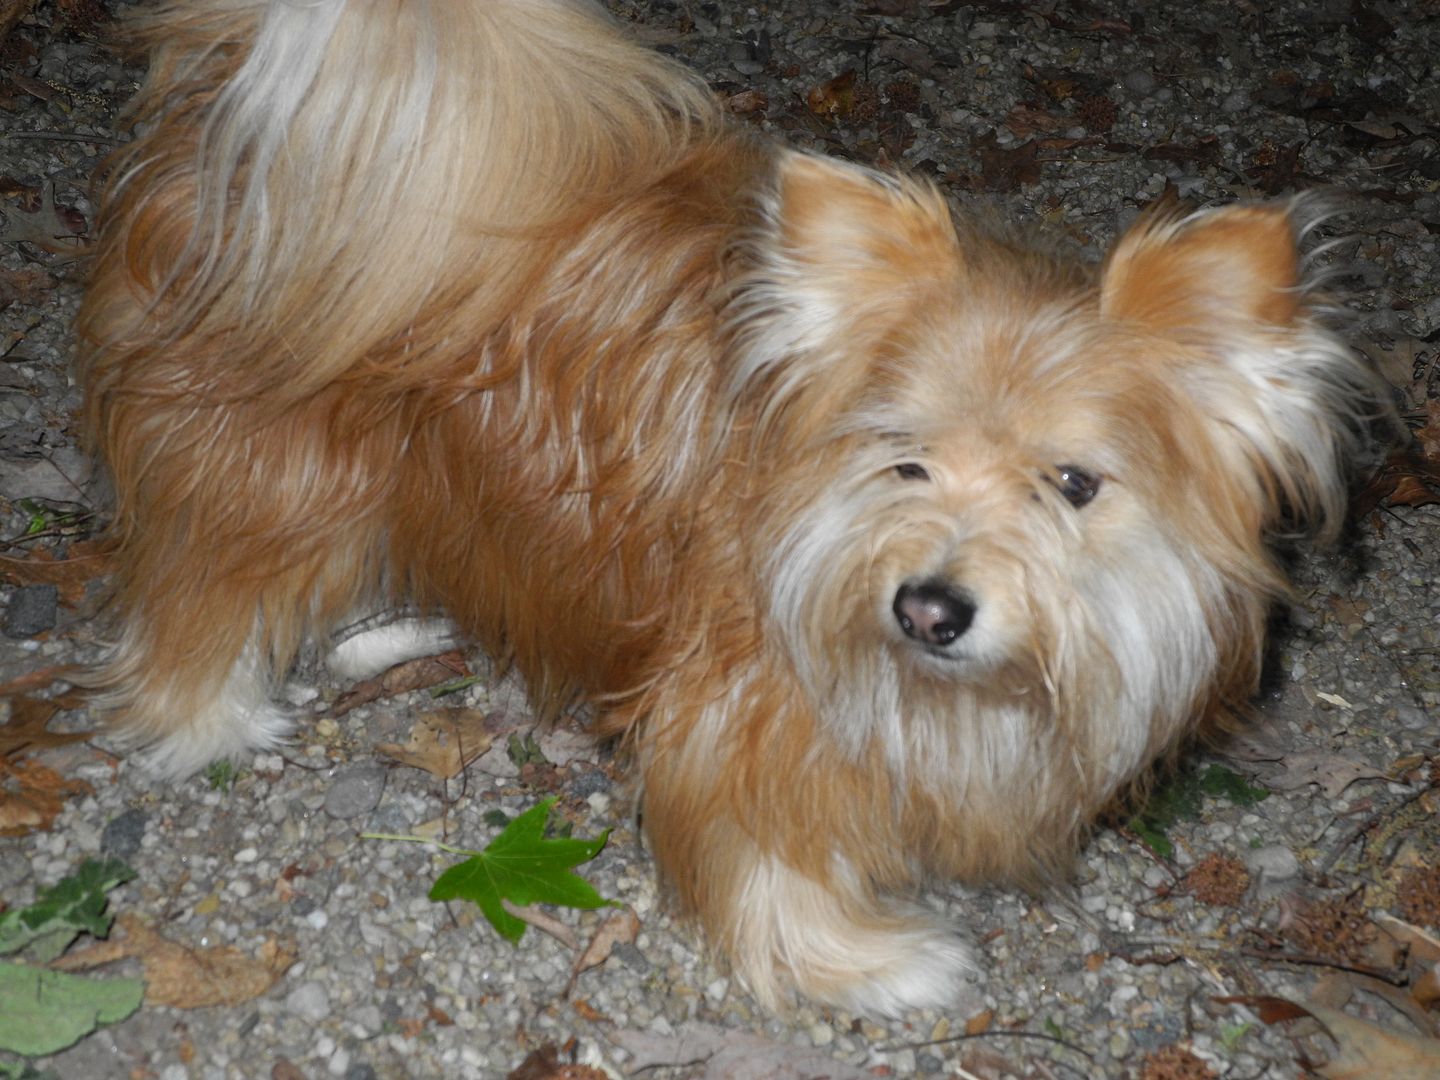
(521, 866)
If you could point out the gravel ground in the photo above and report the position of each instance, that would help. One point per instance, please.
(1067, 114)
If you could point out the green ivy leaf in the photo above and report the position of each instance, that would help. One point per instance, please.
(42, 1012)
(522, 866)
(73, 905)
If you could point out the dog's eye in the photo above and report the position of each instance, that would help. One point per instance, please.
(1078, 485)
(911, 470)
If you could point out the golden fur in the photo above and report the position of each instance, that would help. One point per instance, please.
(477, 305)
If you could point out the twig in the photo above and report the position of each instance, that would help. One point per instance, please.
(60, 136)
(548, 924)
(1315, 960)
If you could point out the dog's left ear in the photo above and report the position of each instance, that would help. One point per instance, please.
(1239, 264)
(1224, 293)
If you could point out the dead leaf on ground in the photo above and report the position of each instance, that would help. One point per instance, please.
(39, 679)
(1365, 1051)
(24, 285)
(32, 796)
(53, 229)
(1025, 121)
(834, 97)
(620, 928)
(442, 742)
(747, 102)
(731, 1055)
(1331, 772)
(1006, 169)
(26, 727)
(416, 674)
(544, 1064)
(87, 561)
(186, 977)
(1427, 436)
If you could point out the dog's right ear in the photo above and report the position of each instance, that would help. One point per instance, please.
(844, 254)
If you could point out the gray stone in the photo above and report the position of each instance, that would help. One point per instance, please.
(309, 1001)
(33, 610)
(355, 792)
(1276, 863)
(121, 837)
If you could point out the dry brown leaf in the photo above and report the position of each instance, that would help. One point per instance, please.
(544, 1064)
(835, 97)
(747, 102)
(185, 977)
(39, 679)
(1006, 169)
(27, 286)
(25, 729)
(415, 674)
(32, 796)
(620, 928)
(54, 229)
(1424, 946)
(1428, 436)
(442, 742)
(87, 561)
(1025, 121)
(1331, 772)
(1365, 1051)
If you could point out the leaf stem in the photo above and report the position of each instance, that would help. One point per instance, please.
(451, 848)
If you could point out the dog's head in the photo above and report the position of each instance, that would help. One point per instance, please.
(994, 477)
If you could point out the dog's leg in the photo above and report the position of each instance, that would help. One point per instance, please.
(837, 943)
(192, 682)
(824, 931)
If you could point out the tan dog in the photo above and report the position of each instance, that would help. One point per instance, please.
(893, 549)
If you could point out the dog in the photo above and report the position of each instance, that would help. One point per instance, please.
(891, 546)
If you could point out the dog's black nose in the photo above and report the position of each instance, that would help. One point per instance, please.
(933, 613)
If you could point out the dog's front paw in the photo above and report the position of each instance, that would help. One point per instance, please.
(833, 944)
(925, 965)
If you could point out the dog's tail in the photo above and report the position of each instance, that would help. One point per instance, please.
(317, 171)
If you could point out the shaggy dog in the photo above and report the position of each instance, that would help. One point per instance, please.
(891, 547)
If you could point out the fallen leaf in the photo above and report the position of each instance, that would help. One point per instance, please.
(747, 102)
(43, 1011)
(621, 928)
(39, 679)
(417, 674)
(1331, 772)
(1006, 169)
(52, 229)
(519, 867)
(184, 976)
(26, 727)
(72, 575)
(544, 1064)
(834, 97)
(1365, 1051)
(24, 285)
(32, 796)
(442, 742)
